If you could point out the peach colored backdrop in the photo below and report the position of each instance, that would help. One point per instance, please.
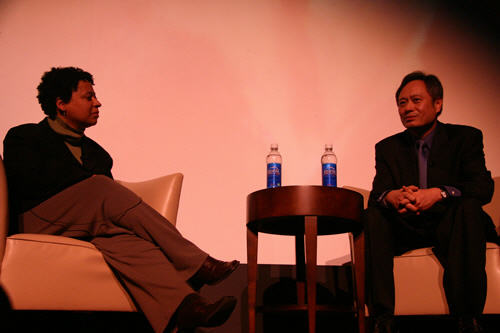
(204, 87)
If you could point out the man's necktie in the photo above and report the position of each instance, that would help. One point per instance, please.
(423, 154)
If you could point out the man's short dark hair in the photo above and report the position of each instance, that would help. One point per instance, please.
(432, 83)
(59, 82)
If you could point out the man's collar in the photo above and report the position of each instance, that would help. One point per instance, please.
(428, 139)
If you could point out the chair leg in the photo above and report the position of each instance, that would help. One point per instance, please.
(300, 263)
(358, 270)
(311, 230)
(252, 244)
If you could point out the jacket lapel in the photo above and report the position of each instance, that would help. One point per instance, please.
(439, 156)
(407, 160)
(58, 147)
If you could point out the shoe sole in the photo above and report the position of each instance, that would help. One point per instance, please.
(222, 311)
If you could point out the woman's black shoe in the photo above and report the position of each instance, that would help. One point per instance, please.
(196, 311)
(212, 272)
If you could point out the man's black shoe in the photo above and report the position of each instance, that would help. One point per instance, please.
(469, 325)
(212, 272)
(196, 311)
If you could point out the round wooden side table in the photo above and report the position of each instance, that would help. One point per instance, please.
(310, 211)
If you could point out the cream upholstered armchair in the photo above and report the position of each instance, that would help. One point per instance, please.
(46, 272)
(418, 275)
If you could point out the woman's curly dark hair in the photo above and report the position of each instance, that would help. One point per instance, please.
(59, 82)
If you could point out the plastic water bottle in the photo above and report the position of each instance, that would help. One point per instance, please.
(273, 161)
(329, 166)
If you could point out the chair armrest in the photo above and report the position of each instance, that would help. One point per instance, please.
(362, 191)
(4, 216)
(163, 194)
(493, 208)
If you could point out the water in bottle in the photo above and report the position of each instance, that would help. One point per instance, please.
(329, 166)
(273, 161)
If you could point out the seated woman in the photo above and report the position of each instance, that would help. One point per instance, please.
(60, 183)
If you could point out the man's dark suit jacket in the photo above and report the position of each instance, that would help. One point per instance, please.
(456, 159)
(39, 165)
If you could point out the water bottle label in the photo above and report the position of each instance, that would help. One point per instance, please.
(273, 175)
(330, 174)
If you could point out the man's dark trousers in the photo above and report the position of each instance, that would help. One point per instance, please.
(456, 229)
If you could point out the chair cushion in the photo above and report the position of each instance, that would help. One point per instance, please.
(418, 281)
(71, 273)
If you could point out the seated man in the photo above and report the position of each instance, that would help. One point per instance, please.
(60, 183)
(430, 184)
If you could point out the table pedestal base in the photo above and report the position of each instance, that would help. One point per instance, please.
(309, 264)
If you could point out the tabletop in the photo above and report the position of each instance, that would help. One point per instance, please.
(281, 210)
